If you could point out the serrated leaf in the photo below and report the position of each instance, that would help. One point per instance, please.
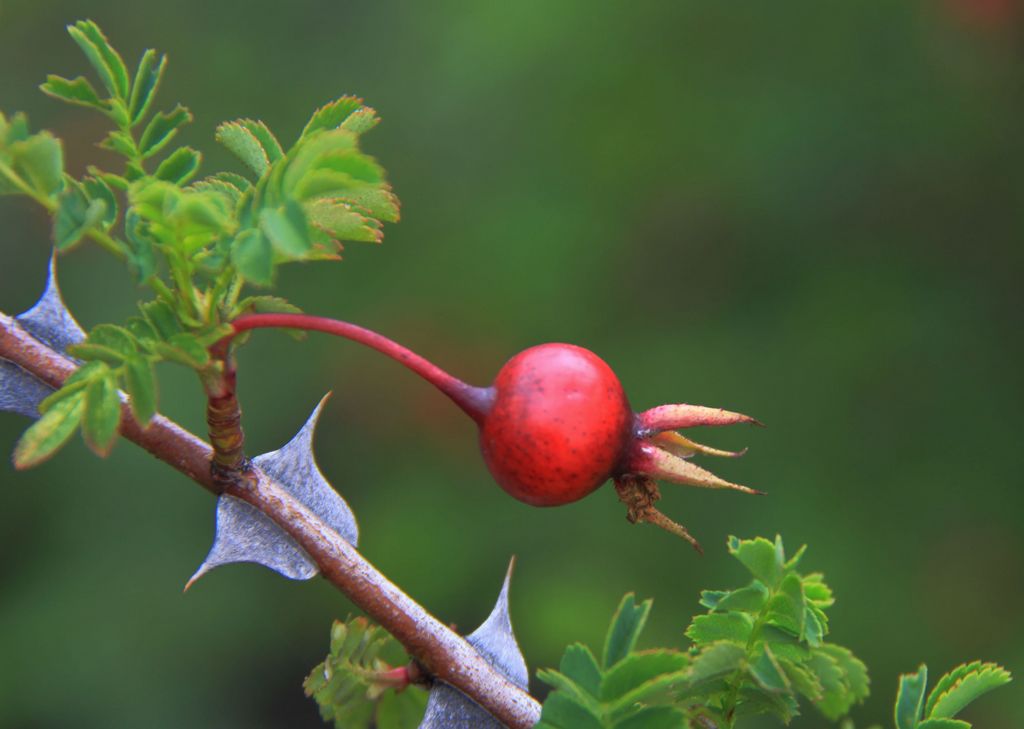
(377, 202)
(910, 698)
(943, 724)
(74, 91)
(803, 680)
(717, 659)
(579, 665)
(53, 429)
(759, 556)
(339, 220)
(720, 626)
(817, 591)
(253, 257)
(637, 669)
(144, 87)
(654, 717)
(835, 693)
(266, 138)
(241, 142)
(102, 414)
(180, 166)
(97, 189)
(113, 337)
(749, 599)
(950, 698)
(813, 630)
(767, 672)
(330, 116)
(161, 129)
(560, 711)
(855, 673)
(361, 121)
(287, 229)
(102, 56)
(626, 625)
(264, 304)
(183, 349)
(39, 159)
(76, 215)
(754, 701)
(786, 608)
(140, 382)
(162, 318)
(120, 143)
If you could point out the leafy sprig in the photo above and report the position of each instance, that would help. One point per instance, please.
(756, 651)
(195, 245)
(362, 682)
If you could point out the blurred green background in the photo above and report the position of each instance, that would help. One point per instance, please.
(808, 211)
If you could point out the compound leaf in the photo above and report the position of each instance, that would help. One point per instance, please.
(46, 436)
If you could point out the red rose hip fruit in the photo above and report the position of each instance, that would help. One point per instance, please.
(558, 426)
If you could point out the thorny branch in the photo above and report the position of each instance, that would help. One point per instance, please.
(445, 654)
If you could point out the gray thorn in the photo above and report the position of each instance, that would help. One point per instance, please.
(51, 323)
(244, 534)
(449, 708)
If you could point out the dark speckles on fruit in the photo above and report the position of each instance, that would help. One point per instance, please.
(559, 424)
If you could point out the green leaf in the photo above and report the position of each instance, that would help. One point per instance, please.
(339, 220)
(161, 130)
(162, 318)
(253, 257)
(140, 382)
(749, 599)
(767, 672)
(287, 229)
(786, 608)
(560, 711)
(803, 680)
(720, 626)
(361, 121)
(183, 349)
(120, 143)
(266, 138)
(579, 664)
(264, 304)
(76, 91)
(627, 623)
(377, 202)
(971, 681)
(855, 673)
(144, 87)
(97, 189)
(102, 414)
(102, 56)
(817, 591)
(180, 166)
(241, 142)
(943, 724)
(39, 159)
(717, 659)
(76, 215)
(760, 557)
(637, 669)
(330, 116)
(50, 432)
(654, 717)
(910, 698)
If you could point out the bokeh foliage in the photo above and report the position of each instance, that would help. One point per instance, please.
(810, 213)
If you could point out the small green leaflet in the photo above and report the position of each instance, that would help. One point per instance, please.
(104, 59)
(46, 436)
(75, 91)
(161, 130)
(147, 80)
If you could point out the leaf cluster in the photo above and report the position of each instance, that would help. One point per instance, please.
(757, 650)
(195, 243)
(952, 693)
(354, 686)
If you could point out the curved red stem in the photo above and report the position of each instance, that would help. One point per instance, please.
(474, 401)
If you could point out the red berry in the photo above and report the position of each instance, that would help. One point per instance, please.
(559, 425)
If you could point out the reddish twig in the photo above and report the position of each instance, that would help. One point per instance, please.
(443, 653)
